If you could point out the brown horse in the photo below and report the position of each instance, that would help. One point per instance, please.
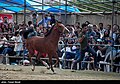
(47, 44)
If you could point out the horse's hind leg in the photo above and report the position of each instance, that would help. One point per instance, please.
(31, 53)
(43, 62)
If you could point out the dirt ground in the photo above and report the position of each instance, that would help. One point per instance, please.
(16, 72)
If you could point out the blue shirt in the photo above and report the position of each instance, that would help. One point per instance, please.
(44, 22)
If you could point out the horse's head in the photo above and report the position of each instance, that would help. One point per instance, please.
(60, 27)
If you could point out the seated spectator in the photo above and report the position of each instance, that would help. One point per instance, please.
(107, 49)
(116, 61)
(2, 42)
(60, 47)
(8, 50)
(68, 54)
(32, 32)
(96, 31)
(77, 56)
(88, 57)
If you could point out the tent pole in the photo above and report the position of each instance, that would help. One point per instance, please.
(113, 14)
(65, 12)
(24, 11)
(16, 17)
(43, 14)
(24, 26)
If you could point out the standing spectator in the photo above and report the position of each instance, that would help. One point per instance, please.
(96, 31)
(109, 28)
(18, 43)
(45, 22)
(117, 41)
(85, 47)
(90, 31)
(10, 28)
(30, 24)
(16, 27)
(53, 20)
(5, 23)
(34, 20)
(87, 22)
(77, 27)
(114, 32)
(102, 30)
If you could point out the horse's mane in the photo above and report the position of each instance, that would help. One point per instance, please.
(49, 32)
(26, 32)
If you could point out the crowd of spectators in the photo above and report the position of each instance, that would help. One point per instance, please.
(99, 37)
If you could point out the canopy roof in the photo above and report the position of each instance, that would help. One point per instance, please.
(56, 6)
(19, 5)
(57, 9)
(97, 5)
(15, 5)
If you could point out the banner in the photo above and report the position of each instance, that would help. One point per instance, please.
(9, 16)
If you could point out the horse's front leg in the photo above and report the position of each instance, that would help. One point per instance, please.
(33, 64)
(57, 59)
(44, 63)
(50, 61)
(31, 53)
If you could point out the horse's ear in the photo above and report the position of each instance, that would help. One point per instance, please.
(57, 21)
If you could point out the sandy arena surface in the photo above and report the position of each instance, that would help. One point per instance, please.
(15, 72)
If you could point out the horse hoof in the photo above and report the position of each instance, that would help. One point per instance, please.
(32, 69)
(53, 65)
(73, 71)
(54, 73)
(48, 67)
